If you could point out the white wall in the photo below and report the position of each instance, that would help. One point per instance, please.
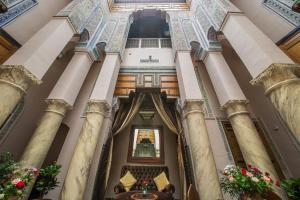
(268, 21)
(24, 26)
(132, 57)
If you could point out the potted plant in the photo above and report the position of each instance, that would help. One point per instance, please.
(46, 181)
(246, 184)
(145, 186)
(14, 178)
(292, 188)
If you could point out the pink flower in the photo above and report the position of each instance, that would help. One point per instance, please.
(249, 174)
(34, 170)
(16, 181)
(231, 178)
(266, 178)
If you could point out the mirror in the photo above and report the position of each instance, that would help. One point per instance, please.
(146, 145)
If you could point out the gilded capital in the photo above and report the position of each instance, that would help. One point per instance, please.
(97, 106)
(235, 107)
(58, 106)
(277, 73)
(18, 77)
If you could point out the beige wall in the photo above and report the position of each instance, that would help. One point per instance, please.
(283, 145)
(24, 26)
(270, 23)
(121, 143)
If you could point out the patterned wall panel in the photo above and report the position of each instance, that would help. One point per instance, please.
(284, 9)
(129, 80)
(15, 9)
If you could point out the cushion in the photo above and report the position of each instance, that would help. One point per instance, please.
(161, 181)
(128, 181)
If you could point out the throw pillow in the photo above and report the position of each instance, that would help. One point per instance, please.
(161, 181)
(128, 181)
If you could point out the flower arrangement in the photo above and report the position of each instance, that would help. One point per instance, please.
(145, 185)
(241, 182)
(46, 181)
(13, 178)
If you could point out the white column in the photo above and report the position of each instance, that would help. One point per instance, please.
(205, 170)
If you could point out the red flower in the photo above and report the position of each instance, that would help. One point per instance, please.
(277, 183)
(244, 171)
(249, 166)
(20, 184)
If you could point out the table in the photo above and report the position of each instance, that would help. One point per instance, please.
(142, 196)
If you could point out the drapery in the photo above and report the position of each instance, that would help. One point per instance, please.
(162, 111)
(123, 120)
(123, 117)
(175, 127)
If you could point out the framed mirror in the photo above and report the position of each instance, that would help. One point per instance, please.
(146, 145)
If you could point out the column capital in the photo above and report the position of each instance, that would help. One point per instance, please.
(192, 106)
(235, 107)
(97, 106)
(18, 77)
(58, 106)
(276, 75)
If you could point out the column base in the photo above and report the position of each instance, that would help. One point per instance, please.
(15, 80)
(282, 85)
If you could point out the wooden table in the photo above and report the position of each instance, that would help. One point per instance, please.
(127, 195)
(142, 196)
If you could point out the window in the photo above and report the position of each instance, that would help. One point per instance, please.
(146, 145)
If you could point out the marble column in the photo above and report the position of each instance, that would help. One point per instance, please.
(100, 102)
(61, 98)
(28, 65)
(282, 85)
(203, 159)
(268, 65)
(40, 143)
(205, 170)
(14, 83)
(233, 102)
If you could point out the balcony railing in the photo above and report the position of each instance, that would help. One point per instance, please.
(149, 43)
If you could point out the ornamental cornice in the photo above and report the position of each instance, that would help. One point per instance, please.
(18, 76)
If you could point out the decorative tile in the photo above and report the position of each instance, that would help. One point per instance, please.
(15, 9)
